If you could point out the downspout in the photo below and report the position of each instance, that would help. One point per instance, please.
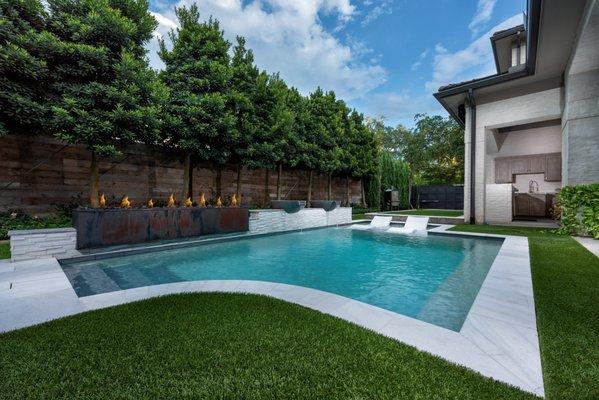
(472, 106)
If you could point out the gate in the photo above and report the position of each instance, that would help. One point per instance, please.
(446, 197)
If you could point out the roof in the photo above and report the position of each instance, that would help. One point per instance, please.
(532, 21)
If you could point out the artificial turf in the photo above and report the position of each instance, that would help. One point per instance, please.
(4, 250)
(566, 288)
(246, 346)
(429, 212)
(224, 346)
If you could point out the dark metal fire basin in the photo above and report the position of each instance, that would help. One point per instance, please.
(105, 227)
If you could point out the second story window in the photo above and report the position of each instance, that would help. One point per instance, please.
(518, 52)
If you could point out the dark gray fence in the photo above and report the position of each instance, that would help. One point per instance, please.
(446, 197)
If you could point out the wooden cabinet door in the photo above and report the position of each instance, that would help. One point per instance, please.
(537, 164)
(537, 207)
(519, 165)
(522, 205)
(553, 167)
(502, 171)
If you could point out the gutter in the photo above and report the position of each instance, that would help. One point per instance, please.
(472, 105)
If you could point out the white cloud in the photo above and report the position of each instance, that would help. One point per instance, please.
(474, 61)
(399, 107)
(287, 36)
(420, 59)
(484, 10)
(383, 7)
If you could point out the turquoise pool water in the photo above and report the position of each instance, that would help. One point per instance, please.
(434, 278)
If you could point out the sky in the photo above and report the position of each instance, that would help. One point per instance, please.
(385, 58)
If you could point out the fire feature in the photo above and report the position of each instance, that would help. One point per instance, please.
(125, 203)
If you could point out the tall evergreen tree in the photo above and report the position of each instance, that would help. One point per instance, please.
(24, 96)
(107, 96)
(199, 120)
(244, 75)
(326, 125)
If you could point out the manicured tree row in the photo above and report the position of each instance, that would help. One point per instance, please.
(78, 68)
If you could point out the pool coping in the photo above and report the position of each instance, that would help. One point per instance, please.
(498, 338)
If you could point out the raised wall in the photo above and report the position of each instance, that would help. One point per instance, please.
(580, 122)
(38, 173)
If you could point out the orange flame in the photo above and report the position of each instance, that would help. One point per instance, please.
(219, 203)
(102, 201)
(150, 203)
(202, 201)
(233, 200)
(171, 201)
(188, 202)
(125, 203)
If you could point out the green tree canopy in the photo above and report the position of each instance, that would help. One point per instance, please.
(106, 96)
(199, 120)
(433, 149)
(23, 67)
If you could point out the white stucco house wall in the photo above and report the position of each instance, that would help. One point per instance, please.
(533, 127)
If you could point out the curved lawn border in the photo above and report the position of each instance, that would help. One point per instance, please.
(498, 338)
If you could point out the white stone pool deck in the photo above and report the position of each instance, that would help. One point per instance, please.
(498, 339)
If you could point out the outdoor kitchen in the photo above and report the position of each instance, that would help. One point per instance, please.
(523, 172)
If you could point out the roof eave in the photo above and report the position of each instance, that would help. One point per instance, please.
(532, 38)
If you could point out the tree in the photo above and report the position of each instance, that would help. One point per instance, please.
(244, 75)
(199, 120)
(24, 107)
(106, 96)
(326, 125)
(434, 149)
(366, 147)
(445, 149)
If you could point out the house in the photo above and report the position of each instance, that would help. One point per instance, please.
(533, 127)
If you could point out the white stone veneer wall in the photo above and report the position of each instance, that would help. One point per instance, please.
(266, 221)
(498, 203)
(43, 243)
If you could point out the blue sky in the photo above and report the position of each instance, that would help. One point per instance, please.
(384, 57)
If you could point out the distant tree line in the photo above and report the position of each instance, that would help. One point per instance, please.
(78, 69)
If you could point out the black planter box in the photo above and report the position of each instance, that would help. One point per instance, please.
(290, 206)
(106, 227)
(328, 205)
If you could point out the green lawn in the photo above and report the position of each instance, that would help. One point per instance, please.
(566, 287)
(217, 346)
(4, 250)
(246, 346)
(358, 216)
(429, 212)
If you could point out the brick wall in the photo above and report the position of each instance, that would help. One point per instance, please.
(38, 172)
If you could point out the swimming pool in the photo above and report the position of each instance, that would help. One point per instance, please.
(433, 278)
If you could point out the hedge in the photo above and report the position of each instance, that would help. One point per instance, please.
(579, 206)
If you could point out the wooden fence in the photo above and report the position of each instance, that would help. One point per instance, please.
(38, 173)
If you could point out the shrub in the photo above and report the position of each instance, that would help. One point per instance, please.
(15, 219)
(579, 207)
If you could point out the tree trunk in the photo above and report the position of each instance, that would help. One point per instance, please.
(329, 187)
(363, 192)
(347, 191)
(310, 179)
(266, 187)
(238, 189)
(187, 176)
(279, 176)
(219, 180)
(94, 181)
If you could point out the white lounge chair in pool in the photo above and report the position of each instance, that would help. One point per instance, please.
(378, 222)
(413, 225)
